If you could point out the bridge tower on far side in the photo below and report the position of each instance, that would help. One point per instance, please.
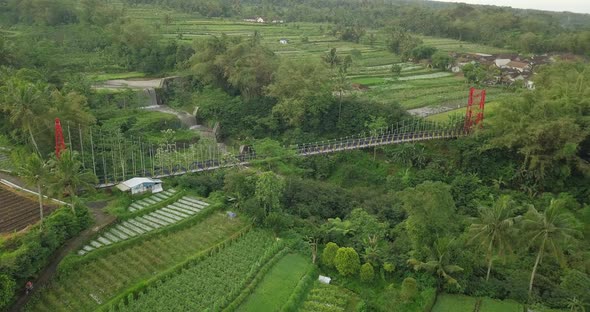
(475, 95)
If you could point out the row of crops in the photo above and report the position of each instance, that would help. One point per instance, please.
(211, 283)
(328, 298)
(100, 276)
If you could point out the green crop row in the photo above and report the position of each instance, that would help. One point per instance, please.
(221, 277)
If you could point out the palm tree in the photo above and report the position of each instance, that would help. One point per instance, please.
(24, 102)
(341, 84)
(550, 230)
(440, 264)
(68, 177)
(493, 229)
(34, 171)
(331, 58)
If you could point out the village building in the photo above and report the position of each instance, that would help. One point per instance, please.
(257, 19)
(520, 66)
(141, 185)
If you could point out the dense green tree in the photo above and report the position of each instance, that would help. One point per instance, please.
(547, 127)
(269, 190)
(303, 91)
(494, 229)
(329, 254)
(409, 289)
(396, 70)
(441, 60)
(347, 261)
(431, 214)
(68, 177)
(474, 73)
(548, 230)
(422, 52)
(367, 273)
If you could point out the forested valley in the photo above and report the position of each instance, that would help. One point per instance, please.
(492, 217)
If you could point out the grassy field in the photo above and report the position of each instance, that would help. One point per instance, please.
(493, 305)
(461, 303)
(454, 303)
(276, 286)
(329, 298)
(100, 279)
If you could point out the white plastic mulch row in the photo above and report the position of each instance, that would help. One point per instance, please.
(152, 200)
(173, 213)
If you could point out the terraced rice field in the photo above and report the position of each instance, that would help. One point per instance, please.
(416, 87)
(182, 209)
(96, 281)
(329, 298)
(17, 212)
(152, 200)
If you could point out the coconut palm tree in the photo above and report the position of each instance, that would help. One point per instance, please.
(68, 177)
(440, 263)
(550, 230)
(25, 104)
(494, 228)
(35, 172)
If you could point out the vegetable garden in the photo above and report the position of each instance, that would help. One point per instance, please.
(212, 282)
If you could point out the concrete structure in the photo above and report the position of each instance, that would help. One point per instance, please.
(141, 185)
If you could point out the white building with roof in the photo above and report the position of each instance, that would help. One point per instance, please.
(141, 185)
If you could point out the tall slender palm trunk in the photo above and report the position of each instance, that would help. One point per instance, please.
(33, 140)
(541, 248)
(491, 258)
(40, 205)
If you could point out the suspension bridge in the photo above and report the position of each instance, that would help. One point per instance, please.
(115, 158)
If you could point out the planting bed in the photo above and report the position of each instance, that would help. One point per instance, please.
(18, 212)
(183, 208)
(93, 282)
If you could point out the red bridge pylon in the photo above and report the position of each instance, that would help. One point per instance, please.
(475, 94)
(60, 145)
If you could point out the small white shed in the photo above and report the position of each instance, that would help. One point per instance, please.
(141, 185)
(324, 279)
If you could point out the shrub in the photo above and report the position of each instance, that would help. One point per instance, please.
(7, 286)
(347, 261)
(409, 289)
(367, 272)
(329, 254)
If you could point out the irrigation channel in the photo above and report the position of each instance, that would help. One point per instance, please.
(115, 158)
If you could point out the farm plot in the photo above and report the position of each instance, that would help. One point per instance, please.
(87, 285)
(493, 305)
(17, 212)
(211, 283)
(182, 209)
(277, 285)
(452, 45)
(152, 200)
(454, 303)
(329, 298)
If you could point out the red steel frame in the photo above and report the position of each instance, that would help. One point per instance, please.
(469, 122)
(60, 145)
